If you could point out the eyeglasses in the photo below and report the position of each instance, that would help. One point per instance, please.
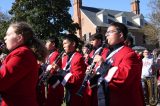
(145, 52)
(111, 32)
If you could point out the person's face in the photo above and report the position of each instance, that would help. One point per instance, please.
(49, 45)
(145, 53)
(12, 39)
(68, 46)
(113, 36)
(96, 42)
(85, 50)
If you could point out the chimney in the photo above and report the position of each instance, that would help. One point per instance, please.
(135, 7)
(77, 14)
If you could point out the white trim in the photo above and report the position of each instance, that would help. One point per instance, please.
(66, 78)
(68, 63)
(97, 51)
(56, 84)
(97, 69)
(49, 67)
(110, 74)
(113, 53)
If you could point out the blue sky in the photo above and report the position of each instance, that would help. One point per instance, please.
(123, 5)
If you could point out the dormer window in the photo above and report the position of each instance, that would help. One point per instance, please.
(110, 21)
(139, 19)
(130, 23)
(124, 20)
(103, 16)
(142, 22)
(121, 17)
(105, 19)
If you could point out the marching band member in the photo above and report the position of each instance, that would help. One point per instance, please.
(19, 71)
(55, 94)
(86, 49)
(72, 72)
(120, 73)
(97, 41)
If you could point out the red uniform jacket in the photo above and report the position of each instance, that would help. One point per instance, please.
(103, 54)
(93, 92)
(75, 78)
(18, 78)
(55, 95)
(125, 86)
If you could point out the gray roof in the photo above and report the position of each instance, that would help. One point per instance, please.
(92, 12)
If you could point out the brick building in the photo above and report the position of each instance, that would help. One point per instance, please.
(93, 19)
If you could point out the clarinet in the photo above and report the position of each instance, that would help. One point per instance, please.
(108, 66)
(88, 75)
(45, 76)
(86, 78)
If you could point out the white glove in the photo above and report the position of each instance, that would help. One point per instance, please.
(49, 67)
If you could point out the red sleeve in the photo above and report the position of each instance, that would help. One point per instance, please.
(14, 70)
(53, 57)
(78, 71)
